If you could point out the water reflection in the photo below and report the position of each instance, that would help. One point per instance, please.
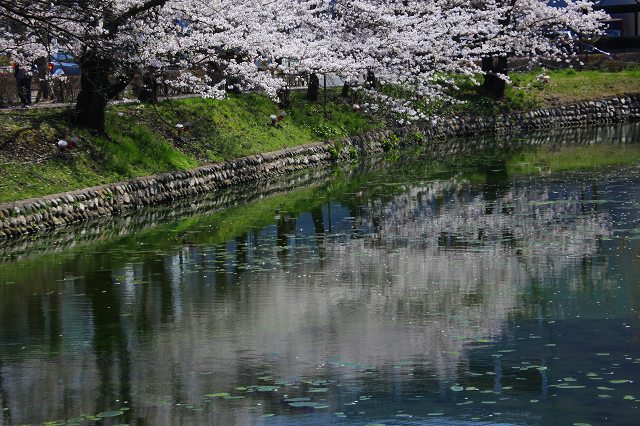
(389, 296)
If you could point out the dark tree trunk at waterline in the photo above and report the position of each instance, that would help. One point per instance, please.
(493, 85)
(313, 89)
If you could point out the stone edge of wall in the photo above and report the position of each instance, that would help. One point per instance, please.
(37, 214)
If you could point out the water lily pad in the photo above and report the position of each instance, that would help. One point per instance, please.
(107, 414)
(565, 386)
(629, 397)
(457, 388)
(619, 381)
(303, 404)
(318, 390)
(297, 399)
(217, 395)
(267, 388)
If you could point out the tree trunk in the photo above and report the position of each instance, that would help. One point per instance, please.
(345, 90)
(371, 81)
(493, 85)
(284, 97)
(149, 90)
(313, 90)
(92, 99)
(97, 90)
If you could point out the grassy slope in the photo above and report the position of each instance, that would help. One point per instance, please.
(142, 140)
(564, 87)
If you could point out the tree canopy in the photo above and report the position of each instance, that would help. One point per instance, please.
(218, 45)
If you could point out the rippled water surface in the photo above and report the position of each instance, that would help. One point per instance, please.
(502, 289)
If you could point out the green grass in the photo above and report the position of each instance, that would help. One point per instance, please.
(526, 93)
(239, 126)
(143, 140)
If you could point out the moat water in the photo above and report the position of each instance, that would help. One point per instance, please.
(498, 289)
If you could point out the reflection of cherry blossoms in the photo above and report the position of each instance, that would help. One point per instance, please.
(412, 279)
(525, 218)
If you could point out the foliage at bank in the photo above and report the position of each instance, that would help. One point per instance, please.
(142, 139)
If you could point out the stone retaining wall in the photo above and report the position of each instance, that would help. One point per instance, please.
(30, 216)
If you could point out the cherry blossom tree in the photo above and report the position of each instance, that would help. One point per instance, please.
(533, 29)
(210, 41)
(415, 47)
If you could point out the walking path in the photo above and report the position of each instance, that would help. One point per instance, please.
(61, 105)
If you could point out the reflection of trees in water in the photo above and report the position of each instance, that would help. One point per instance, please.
(542, 223)
(414, 278)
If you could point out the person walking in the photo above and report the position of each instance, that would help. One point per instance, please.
(23, 84)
